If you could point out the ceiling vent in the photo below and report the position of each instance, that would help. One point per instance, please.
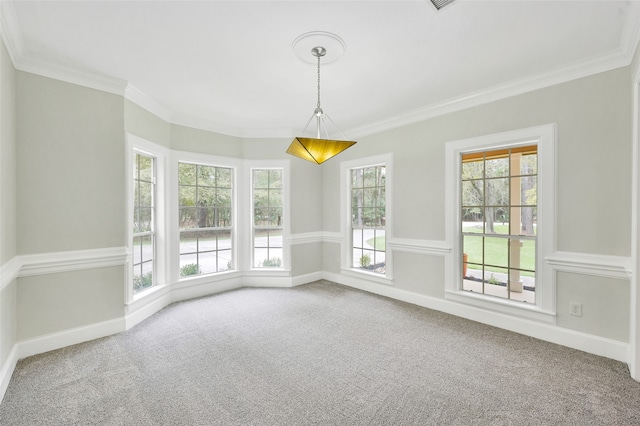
(439, 4)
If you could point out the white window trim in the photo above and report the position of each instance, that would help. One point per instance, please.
(345, 216)
(142, 146)
(174, 246)
(545, 137)
(286, 230)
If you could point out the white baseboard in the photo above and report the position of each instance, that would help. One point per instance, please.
(69, 337)
(7, 370)
(143, 309)
(573, 339)
(306, 279)
(185, 291)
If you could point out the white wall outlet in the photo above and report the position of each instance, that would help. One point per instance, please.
(575, 309)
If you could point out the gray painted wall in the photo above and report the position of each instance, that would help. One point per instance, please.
(70, 167)
(71, 174)
(70, 185)
(594, 141)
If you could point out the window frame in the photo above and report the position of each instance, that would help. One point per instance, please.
(285, 266)
(152, 225)
(138, 145)
(346, 217)
(208, 161)
(545, 138)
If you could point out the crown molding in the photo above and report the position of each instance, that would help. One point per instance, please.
(227, 129)
(621, 57)
(22, 60)
(141, 99)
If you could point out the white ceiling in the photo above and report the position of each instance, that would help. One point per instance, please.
(228, 66)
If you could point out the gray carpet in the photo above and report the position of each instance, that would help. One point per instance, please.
(319, 354)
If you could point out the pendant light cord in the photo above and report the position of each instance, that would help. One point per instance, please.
(318, 105)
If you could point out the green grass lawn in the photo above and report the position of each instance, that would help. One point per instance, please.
(378, 243)
(496, 250)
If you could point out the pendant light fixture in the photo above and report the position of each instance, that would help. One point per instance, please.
(321, 148)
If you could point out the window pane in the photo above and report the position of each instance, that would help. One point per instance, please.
(225, 262)
(357, 198)
(224, 177)
(145, 168)
(275, 239)
(147, 247)
(275, 258)
(207, 202)
(472, 219)
(186, 174)
(260, 179)
(207, 241)
(496, 221)
(275, 178)
(366, 260)
(224, 241)
(260, 198)
(378, 242)
(357, 179)
(357, 218)
(473, 247)
(187, 217)
(137, 250)
(496, 261)
(224, 198)
(206, 196)
(473, 193)
(189, 265)
(371, 175)
(369, 216)
(187, 196)
(274, 217)
(145, 191)
(206, 176)
(268, 216)
(144, 220)
(523, 254)
(208, 262)
(528, 190)
(496, 282)
(497, 167)
(497, 192)
(370, 197)
(472, 170)
(529, 164)
(225, 218)
(259, 256)
(188, 242)
(526, 225)
(496, 251)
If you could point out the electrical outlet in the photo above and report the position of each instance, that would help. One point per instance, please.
(575, 309)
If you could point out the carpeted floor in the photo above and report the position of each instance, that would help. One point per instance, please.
(319, 354)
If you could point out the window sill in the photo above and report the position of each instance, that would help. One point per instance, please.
(273, 272)
(369, 276)
(503, 306)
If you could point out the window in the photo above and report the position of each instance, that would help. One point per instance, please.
(205, 198)
(368, 222)
(367, 216)
(499, 221)
(267, 224)
(143, 221)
